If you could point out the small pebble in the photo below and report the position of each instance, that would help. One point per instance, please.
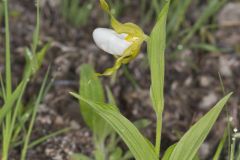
(208, 100)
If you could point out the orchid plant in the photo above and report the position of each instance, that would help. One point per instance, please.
(124, 42)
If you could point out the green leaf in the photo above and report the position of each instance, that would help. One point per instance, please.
(142, 123)
(212, 7)
(220, 146)
(91, 88)
(116, 154)
(75, 12)
(41, 54)
(110, 97)
(2, 88)
(168, 152)
(99, 154)
(46, 137)
(189, 144)
(156, 49)
(29, 68)
(37, 102)
(8, 105)
(128, 155)
(196, 157)
(178, 15)
(127, 131)
(33, 63)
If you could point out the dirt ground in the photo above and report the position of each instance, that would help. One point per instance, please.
(192, 83)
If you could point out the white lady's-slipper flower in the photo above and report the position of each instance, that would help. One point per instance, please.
(123, 41)
(110, 41)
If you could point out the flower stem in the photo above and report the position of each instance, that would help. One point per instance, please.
(158, 134)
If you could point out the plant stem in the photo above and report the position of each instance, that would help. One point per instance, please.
(7, 50)
(158, 134)
(6, 138)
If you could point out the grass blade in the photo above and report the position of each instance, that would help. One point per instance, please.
(8, 52)
(220, 146)
(37, 102)
(10, 102)
(3, 92)
(42, 139)
(178, 16)
(110, 97)
(210, 10)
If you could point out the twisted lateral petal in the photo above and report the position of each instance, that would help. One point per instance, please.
(110, 41)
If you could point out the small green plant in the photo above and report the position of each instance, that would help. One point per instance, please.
(13, 115)
(17, 116)
(75, 12)
(104, 137)
(141, 148)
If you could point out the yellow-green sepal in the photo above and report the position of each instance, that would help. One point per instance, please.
(135, 35)
(104, 5)
(129, 54)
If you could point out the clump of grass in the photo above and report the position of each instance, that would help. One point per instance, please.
(75, 12)
(15, 114)
(177, 29)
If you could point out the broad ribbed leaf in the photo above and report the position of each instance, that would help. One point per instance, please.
(189, 144)
(156, 49)
(91, 88)
(128, 132)
(168, 152)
